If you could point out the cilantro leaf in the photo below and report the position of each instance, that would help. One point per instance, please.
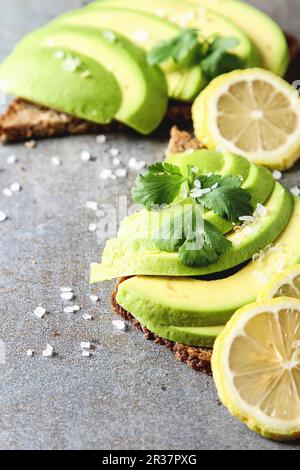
(203, 247)
(184, 49)
(219, 60)
(160, 184)
(171, 234)
(226, 198)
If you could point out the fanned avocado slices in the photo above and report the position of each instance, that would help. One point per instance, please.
(133, 92)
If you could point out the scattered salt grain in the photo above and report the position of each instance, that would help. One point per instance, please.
(135, 164)
(86, 353)
(92, 227)
(30, 352)
(40, 312)
(94, 298)
(261, 210)
(277, 175)
(7, 192)
(86, 316)
(71, 64)
(48, 352)
(85, 74)
(140, 37)
(109, 36)
(106, 174)
(55, 161)
(85, 156)
(72, 309)
(67, 296)
(119, 325)
(295, 191)
(3, 216)
(66, 289)
(59, 55)
(121, 173)
(30, 144)
(247, 218)
(116, 161)
(101, 139)
(114, 152)
(11, 160)
(92, 205)
(85, 345)
(15, 187)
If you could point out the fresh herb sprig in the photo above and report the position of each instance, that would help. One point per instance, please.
(162, 183)
(187, 49)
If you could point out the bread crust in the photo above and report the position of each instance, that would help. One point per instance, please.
(197, 358)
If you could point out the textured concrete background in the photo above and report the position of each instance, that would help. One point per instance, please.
(130, 394)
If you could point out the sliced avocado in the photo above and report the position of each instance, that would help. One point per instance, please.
(264, 33)
(36, 75)
(127, 257)
(182, 84)
(203, 336)
(190, 302)
(188, 15)
(143, 87)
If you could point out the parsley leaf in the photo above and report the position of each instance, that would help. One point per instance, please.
(226, 197)
(183, 49)
(197, 241)
(160, 184)
(203, 246)
(219, 60)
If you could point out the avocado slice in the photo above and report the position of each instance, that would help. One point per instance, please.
(127, 257)
(188, 15)
(143, 87)
(264, 33)
(187, 302)
(182, 84)
(34, 73)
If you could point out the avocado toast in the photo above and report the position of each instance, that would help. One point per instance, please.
(88, 93)
(186, 311)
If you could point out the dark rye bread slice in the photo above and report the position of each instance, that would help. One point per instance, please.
(26, 121)
(197, 358)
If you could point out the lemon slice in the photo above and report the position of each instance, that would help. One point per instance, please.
(253, 113)
(285, 284)
(256, 367)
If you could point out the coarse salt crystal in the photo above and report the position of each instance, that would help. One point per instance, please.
(261, 210)
(40, 312)
(86, 353)
(66, 289)
(86, 316)
(101, 139)
(3, 216)
(92, 205)
(30, 352)
(295, 191)
(15, 187)
(92, 227)
(116, 161)
(48, 352)
(106, 174)
(277, 175)
(67, 296)
(119, 325)
(11, 159)
(135, 164)
(121, 173)
(7, 192)
(85, 74)
(140, 37)
(85, 345)
(72, 309)
(59, 55)
(71, 64)
(246, 218)
(55, 161)
(114, 152)
(85, 156)
(94, 298)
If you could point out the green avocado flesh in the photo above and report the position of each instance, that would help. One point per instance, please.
(143, 89)
(161, 303)
(190, 16)
(264, 33)
(182, 84)
(125, 257)
(96, 99)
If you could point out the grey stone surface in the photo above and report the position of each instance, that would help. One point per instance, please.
(130, 394)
